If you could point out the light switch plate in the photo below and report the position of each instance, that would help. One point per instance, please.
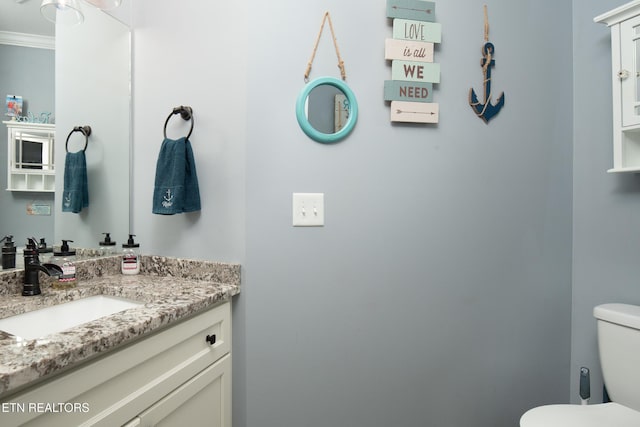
(308, 209)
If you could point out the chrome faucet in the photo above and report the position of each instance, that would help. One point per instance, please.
(32, 266)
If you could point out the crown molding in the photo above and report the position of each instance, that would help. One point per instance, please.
(27, 40)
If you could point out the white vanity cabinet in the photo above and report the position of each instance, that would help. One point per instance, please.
(203, 400)
(30, 156)
(179, 376)
(624, 22)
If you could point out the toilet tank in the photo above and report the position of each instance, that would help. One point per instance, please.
(618, 328)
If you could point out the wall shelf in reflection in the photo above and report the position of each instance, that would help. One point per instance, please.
(30, 165)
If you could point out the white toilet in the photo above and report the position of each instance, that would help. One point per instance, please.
(618, 327)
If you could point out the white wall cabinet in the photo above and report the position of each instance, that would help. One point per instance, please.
(624, 22)
(30, 157)
(174, 377)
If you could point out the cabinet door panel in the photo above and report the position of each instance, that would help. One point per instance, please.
(629, 77)
(203, 400)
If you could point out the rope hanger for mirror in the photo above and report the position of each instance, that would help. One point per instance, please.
(343, 73)
(185, 112)
(85, 130)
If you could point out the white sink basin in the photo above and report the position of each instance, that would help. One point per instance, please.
(58, 318)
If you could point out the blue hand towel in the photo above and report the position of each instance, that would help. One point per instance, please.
(75, 195)
(176, 186)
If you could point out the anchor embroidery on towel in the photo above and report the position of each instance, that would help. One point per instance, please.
(168, 199)
(67, 200)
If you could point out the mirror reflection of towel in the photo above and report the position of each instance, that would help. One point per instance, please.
(75, 195)
(176, 184)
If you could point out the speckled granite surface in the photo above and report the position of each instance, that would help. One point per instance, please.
(171, 289)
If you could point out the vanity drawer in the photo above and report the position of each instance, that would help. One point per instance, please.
(116, 387)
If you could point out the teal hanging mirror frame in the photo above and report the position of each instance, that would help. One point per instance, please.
(303, 120)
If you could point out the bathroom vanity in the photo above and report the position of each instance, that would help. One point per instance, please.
(168, 359)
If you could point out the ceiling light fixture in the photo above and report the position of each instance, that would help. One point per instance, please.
(66, 12)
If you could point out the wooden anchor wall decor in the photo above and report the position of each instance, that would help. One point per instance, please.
(486, 111)
(413, 71)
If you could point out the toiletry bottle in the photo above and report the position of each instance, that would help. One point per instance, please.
(65, 259)
(107, 246)
(130, 256)
(43, 248)
(8, 253)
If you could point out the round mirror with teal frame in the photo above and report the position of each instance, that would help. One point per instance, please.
(303, 120)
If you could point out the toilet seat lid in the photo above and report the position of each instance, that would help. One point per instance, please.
(601, 415)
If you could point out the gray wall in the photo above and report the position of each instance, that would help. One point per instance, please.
(28, 72)
(438, 292)
(201, 64)
(606, 207)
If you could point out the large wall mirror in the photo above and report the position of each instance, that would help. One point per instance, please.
(92, 86)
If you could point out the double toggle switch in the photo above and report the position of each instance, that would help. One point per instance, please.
(308, 209)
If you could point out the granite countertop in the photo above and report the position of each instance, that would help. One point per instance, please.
(171, 289)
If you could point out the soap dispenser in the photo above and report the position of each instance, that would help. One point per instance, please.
(8, 253)
(65, 258)
(107, 246)
(43, 248)
(130, 256)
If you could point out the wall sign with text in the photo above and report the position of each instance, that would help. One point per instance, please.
(413, 71)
